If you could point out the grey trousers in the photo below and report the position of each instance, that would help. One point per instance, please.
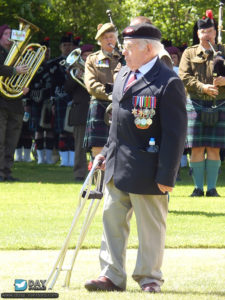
(80, 165)
(10, 128)
(151, 212)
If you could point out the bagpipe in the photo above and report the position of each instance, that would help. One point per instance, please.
(109, 86)
(218, 56)
(118, 49)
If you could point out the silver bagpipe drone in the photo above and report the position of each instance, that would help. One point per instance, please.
(95, 195)
(218, 58)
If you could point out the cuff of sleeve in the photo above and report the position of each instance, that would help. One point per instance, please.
(166, 178)
(200, 86)
(14, 71)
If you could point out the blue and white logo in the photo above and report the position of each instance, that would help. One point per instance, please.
(20, 285)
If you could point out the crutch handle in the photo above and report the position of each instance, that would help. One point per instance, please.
(93, 195)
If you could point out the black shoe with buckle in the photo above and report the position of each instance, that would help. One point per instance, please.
(212, 193)
(197, 193)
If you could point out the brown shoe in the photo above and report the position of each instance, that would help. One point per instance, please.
(102, 284)
(152, 287)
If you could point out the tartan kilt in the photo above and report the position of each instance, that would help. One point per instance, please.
(60, 112)
(97, 131)
(199, 135)
(35, 116)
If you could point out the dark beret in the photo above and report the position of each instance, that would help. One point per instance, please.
(142, 31)
(87, 48)
(76, 40)
(2, 29)
(205, 23)
(172, 50)
(46, 42)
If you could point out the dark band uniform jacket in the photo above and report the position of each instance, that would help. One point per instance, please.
(14, 105)
(7, 71)
(133, 169)
(81, 99)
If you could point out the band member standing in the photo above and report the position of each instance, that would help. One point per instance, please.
(205, 91)
(61, 100)
(99, 70)
(11, 111)
(39, 109)
(78, 116)
(148, 102)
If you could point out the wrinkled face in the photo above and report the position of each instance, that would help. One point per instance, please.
(106, 39)
(175, 59)
(135, 54)
(207, 34)
(85, 54)
(4, 41)
(66, 48)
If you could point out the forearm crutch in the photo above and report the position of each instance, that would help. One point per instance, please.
(95, 176)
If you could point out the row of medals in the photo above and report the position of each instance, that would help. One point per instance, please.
(143, 117)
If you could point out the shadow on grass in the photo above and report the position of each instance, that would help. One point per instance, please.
(31, 173)
(198, 213)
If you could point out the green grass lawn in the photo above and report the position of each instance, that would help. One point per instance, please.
(188, 273)
(36, 213)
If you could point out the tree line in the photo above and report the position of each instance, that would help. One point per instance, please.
(175, 18)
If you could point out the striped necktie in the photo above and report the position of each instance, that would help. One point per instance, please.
(131, 80)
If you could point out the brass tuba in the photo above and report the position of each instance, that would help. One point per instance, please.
(21, 53)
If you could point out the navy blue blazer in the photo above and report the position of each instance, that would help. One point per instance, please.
(133, 169)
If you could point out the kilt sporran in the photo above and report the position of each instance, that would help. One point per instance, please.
(210, 116)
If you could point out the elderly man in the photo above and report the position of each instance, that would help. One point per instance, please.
(150, 106)
(163, 54)
(205, 86)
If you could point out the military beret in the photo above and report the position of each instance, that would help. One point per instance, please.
(2, 29)
(76, 40)
(205, 23)
(142, 31)
(67, 38)
(102, 28)
(87, 48)
(172, 50)
(46, 42)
